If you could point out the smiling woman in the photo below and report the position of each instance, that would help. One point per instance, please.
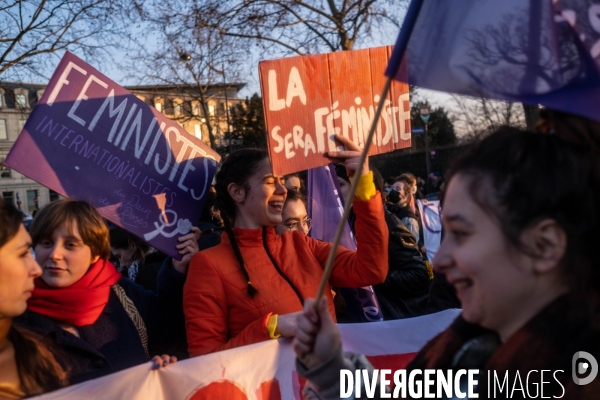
(521, 230)
(250, 287)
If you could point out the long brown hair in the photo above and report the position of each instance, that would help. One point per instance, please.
(408, 185)
(38, 370)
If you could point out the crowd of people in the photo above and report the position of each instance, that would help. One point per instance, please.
(80, 299)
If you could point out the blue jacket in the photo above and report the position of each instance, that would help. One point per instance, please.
(112, 343)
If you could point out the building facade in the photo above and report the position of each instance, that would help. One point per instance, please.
(194, 108)
(194, 111)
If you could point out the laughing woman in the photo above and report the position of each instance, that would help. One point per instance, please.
(27, 368)
(524, 262)
(250, 287)
(101, 321)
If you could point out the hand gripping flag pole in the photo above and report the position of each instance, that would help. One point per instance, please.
(401, 44)
(350, 196)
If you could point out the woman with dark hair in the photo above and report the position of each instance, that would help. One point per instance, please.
(27, 367)
(294, 182)
(250, 287)
(140, 261)
(523, 261)
(294, 216)
(414, 187)
(409, 179)
(400, 199)
(101, 321)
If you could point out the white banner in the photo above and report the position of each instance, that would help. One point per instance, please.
(262, 371)
(432, 226)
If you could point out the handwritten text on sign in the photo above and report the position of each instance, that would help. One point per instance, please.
(308, 99)
(89, 138)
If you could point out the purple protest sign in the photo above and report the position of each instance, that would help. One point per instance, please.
(90, 139)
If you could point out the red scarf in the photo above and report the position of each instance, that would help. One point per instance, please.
(79, 304)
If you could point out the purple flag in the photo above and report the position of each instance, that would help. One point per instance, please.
(325, 209)
(536, 52)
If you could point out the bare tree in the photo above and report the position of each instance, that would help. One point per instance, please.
(200, 63)
(476, 117)
(297, 26)
(198, 42)
(32, 30)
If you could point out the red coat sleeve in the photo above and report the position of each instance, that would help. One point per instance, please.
(369, 264)
(206, 312)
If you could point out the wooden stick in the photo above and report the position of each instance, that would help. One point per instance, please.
(401, 45)
(350, 196)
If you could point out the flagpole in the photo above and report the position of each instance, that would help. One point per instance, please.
(350, 196)
(402, 42)
(394, 64)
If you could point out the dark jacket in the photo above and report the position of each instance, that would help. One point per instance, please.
(411, 220)
(208, 240)
(112, 343)
(147, 275)
(405, 292)
(549, 341)
(442, 295)
(539, 358)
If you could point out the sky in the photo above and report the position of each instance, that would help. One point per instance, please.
(385, 37)
(113, 65)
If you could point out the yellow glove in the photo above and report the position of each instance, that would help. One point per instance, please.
(365, 190)
(272, 326)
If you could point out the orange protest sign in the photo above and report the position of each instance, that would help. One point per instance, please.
(308, 99)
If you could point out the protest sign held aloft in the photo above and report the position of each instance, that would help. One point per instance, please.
(90, 139)
(308, 99)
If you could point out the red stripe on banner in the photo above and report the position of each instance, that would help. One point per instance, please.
(229, 390)
(391, 361)
(388, 361)
(298, 383)
(220, 390)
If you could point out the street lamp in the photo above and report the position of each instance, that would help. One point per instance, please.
(424, 113)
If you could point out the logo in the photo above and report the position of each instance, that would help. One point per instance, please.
(584, 363)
